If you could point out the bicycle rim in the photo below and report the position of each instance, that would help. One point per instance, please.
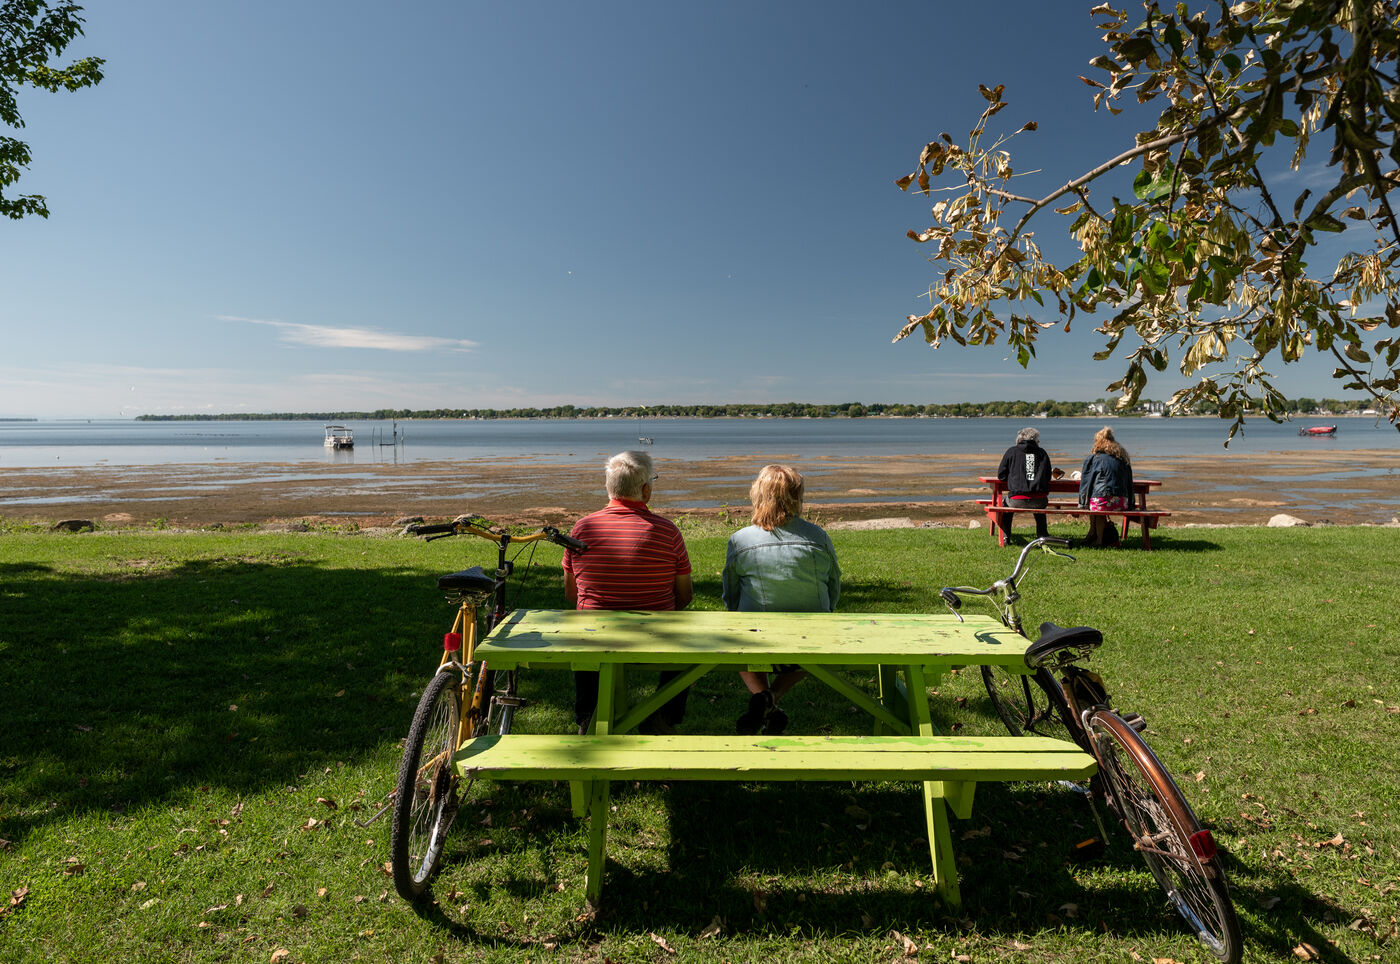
(1167, 834)
(426, 799)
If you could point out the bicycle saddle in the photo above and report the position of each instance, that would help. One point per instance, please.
(1054, 639)
(468, 580)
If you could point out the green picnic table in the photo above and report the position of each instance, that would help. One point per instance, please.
(908, 654)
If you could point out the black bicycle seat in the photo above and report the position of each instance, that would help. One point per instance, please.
(1054, 639)
(468, 580)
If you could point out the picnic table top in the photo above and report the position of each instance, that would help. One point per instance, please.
(689, 637)
(1067, 484)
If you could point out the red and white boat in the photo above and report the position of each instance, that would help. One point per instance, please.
(1319, 430)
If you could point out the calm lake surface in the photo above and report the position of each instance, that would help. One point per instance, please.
(78, 443)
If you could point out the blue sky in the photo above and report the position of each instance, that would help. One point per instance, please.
(315, 205)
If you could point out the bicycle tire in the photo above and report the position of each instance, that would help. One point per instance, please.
(425, 801)
(504, 702)
(1167, 833)
(1027, 704)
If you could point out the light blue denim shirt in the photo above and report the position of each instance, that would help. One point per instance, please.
(791, 569)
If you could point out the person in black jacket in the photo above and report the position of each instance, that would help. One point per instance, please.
(1025, 475)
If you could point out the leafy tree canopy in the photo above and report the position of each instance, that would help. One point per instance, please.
(1209, 260)
(33, 32)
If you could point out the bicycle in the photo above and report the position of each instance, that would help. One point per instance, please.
(464, 700)
(1070, 702)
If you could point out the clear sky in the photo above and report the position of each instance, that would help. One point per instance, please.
(316, 205)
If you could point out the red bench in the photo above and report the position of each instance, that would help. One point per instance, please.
(1146, 518)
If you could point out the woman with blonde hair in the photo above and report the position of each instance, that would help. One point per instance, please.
(780, 563)
(1105, 484)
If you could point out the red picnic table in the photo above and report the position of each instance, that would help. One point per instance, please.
(1140, 514)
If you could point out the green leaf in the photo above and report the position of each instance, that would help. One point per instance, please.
(1326, 222)
(1149, 187)
(1156, 278)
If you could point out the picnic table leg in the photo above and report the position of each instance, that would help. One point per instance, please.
(610, 681)
(940, 837)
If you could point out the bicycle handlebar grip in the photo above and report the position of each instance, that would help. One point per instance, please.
(1054, 540)
(419, 529)
(568, 542)
(951, 598)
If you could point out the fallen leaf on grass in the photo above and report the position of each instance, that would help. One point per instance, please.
(1336, 841)
(1308, 712)
(661, 942)
(73, 867)
(1306, 951)
(1069, 910)
(279, 955)
(910, 948)
(715, 928)
(327, 802)
(18, 896)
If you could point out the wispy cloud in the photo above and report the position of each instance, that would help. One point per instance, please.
(321, 336)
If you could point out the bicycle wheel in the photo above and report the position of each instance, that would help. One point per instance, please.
(1024, 703)
(1180, 854)
(425, 802)
(504, 702)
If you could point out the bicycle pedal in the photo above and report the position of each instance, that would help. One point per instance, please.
(1134, 720)
(1091, 849)
(508, 700)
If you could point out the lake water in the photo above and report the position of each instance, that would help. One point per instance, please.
(77, 443)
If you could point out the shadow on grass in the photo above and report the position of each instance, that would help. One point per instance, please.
(122, 691)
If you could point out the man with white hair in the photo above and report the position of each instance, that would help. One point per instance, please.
(1025, 477)
(635, 560)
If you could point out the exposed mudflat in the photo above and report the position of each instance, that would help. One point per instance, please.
(1340, 488)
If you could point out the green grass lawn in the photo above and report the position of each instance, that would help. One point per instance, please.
(191, 724)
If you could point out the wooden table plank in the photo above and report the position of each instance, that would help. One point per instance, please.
(580, 638)
(789, 758)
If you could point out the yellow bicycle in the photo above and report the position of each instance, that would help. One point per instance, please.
(465, 699)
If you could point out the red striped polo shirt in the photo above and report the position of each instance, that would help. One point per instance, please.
(633, 558)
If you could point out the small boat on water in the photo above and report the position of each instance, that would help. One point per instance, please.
(339, 437)
(1319, 430)
(645, 439)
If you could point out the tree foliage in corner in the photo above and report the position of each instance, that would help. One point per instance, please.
(1208, 259)
(33, 32)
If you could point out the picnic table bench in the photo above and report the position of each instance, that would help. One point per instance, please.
(1146, 518)
(907, 652)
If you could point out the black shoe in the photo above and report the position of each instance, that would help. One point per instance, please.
(760, 705)
(776, 722)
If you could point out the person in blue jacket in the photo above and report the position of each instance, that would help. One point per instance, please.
(780, 563)
(1105, 483)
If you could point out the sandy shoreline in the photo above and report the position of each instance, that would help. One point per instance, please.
(1357, 487)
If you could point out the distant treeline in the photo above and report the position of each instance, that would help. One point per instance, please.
(1016, 409)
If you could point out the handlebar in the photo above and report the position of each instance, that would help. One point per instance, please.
(1004, 590)
(474, 525)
